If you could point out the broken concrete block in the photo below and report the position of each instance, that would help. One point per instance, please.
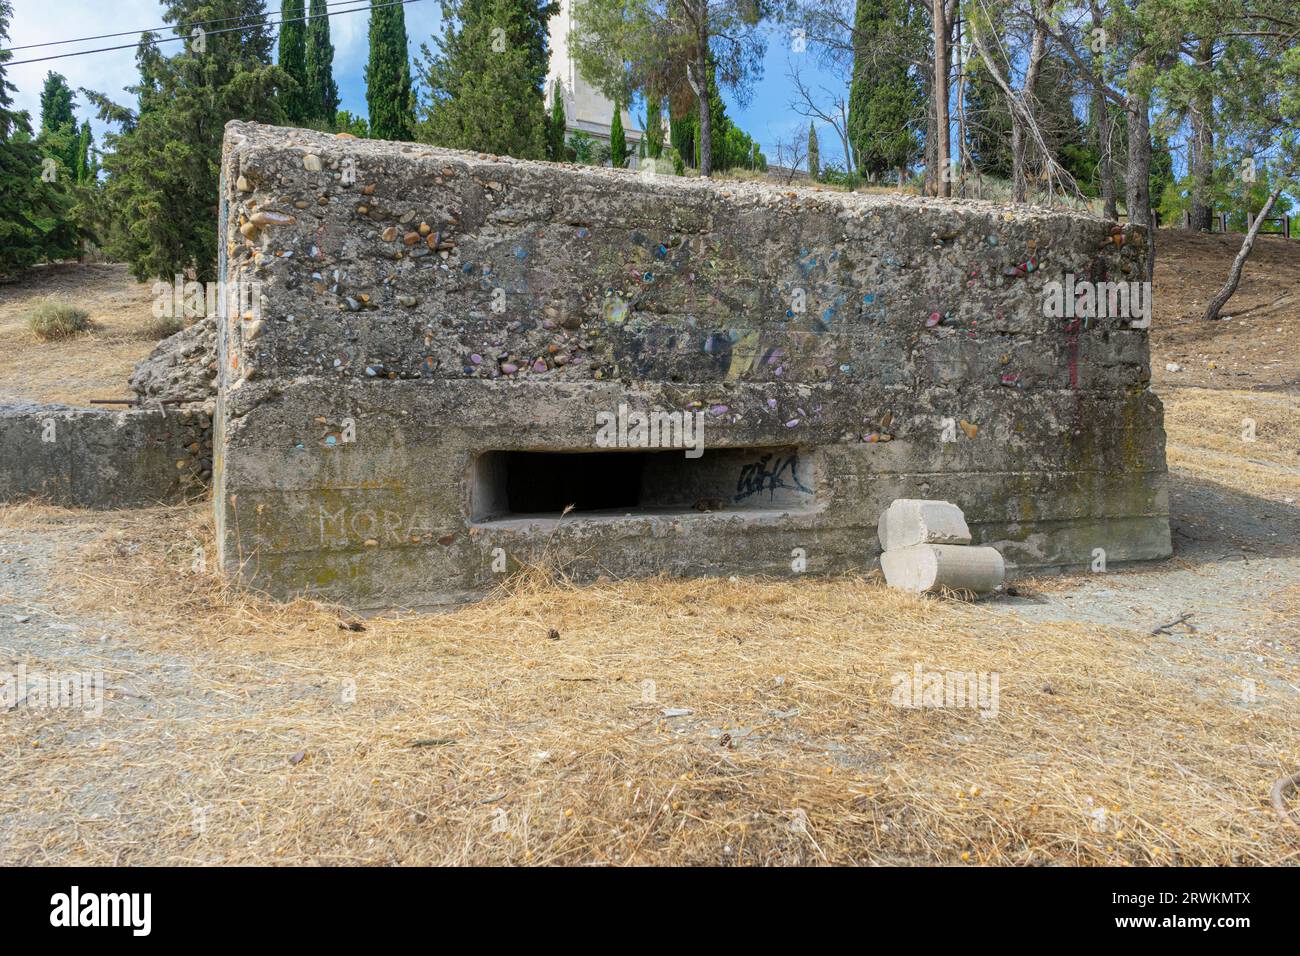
(927, 567)
(909, 521)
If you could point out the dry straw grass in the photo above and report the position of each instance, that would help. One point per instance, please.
(1206, 428)
(476, 736)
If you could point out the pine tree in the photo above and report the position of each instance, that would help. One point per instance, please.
(58, 135)
(56, 103)
(322, 91)
(555, 126)
(814, 153)
(346, 122)
(731, 145)
(30, 207)
(388, 73)
(164, 166)
(293, 60)
(886, 103)
(988, 123)
(682, 49)
(617, 140)
(486, 80)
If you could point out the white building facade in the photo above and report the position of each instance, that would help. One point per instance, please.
(586, 109)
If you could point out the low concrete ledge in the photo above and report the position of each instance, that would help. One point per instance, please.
(93, 458)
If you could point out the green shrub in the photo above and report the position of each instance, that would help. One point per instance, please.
(679, 166)
(833, 174)
(57, 320)
(583, 148)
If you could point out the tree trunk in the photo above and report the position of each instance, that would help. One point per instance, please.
(1137, 105)
(1105, 146)
(931, 184)
(943, 185)
(706, 128)
(1020, 104)
(1201, 146)
(697, 75)
(1105, 134)
(963, 145)
(1234, 274)
(1024, 119)
(1018, 183)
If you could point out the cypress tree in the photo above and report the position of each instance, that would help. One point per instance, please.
(322, 91)
(814, 153)
(486, 79)
(555, 126)
(85, 146)
(617, 140)
(293, 60)
(885, 101)
(654, 128)
(388, 72)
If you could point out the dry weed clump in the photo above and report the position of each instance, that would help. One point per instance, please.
(55, 319)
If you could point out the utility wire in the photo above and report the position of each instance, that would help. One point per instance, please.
(165, 26)
(128, 46)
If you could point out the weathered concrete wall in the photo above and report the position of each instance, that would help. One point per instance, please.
(424, 311)
(95, 458)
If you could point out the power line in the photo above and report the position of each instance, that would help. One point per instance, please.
(165, 26)
(152, 29)
(128, 46)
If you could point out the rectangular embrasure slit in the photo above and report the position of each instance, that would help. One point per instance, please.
(521, 484)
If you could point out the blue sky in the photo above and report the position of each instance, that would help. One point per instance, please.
(767, 118)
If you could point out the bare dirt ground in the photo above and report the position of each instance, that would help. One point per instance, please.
(1253, 344)
(667, 721)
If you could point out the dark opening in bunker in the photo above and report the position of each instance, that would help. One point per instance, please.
(521, 484)
(545, 482)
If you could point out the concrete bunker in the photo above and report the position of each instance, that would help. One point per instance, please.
(443, 341)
